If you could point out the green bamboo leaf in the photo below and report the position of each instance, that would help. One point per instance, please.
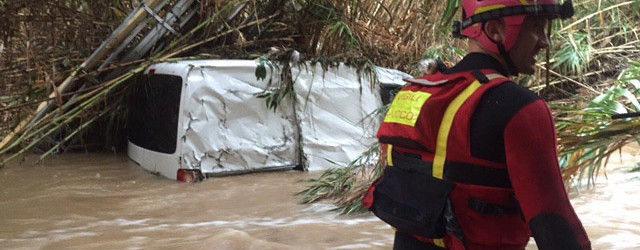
(261, 72)
(448, 15)
(632, 98)
(66, 62)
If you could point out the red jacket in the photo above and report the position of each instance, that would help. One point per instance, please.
(502, 132)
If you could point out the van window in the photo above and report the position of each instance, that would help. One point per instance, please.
(153, 117)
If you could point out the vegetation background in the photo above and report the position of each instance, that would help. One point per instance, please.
(593, 68)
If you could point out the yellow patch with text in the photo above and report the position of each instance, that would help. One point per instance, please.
(406, 107)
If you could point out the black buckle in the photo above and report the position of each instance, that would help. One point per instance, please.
(457, 29)
(483, 207)
(566, 10)
(478, 206)
(441, 66)
(480, 76)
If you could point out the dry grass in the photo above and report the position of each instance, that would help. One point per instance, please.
(41, 42)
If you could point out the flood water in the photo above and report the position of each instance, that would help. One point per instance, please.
(89, 201)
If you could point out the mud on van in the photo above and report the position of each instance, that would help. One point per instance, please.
(194, 119)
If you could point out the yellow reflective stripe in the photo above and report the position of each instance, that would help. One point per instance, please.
(494, 7)
(445, 127)
(488, 8)
(439, 242)
(389, 153)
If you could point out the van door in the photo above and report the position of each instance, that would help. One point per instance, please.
(153, 123)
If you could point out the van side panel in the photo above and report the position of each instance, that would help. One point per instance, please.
(335, 109)
(227, 129)
(224, 128)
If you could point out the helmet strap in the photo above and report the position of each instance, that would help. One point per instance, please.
(511, 67)
(548, 63)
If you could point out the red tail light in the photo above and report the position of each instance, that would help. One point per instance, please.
(190, 175)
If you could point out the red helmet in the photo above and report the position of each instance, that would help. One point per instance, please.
(476, 12)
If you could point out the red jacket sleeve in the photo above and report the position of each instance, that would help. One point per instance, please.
(532, 162)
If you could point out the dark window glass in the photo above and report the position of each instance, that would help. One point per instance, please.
(153, 117)
(388, 92)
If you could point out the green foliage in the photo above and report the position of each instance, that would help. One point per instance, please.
(574, 58)
(275, 95)
(610, 103)
(449, 14)
(446, 52)
(341, 30)
(345, 185)
(323, 12)
(590, 136)
(279, 64)
(261, 70)
(636, 168)
(332, 183)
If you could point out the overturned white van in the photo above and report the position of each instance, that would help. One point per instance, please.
(193, 119)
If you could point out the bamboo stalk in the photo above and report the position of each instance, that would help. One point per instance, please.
(71, 135)
(69, 116)
(238, 4)
(587, 87)
(92, 94)
(211, 38)
(35, 142)
(43, 100)
(116, 37)
(26, 135)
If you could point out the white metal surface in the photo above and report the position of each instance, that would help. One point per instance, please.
(227, 128)
(224, 128)
(334, 109)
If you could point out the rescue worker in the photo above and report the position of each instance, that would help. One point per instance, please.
(471, 156)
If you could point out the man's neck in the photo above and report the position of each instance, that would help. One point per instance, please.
(475, 47)
(476, 61)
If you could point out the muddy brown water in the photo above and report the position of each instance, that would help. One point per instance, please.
(103, 201)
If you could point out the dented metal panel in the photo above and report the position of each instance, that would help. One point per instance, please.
(226, 128)
(334, 108)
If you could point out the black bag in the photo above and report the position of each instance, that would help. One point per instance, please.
(410, 199)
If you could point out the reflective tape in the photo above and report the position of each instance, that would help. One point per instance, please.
(447, 122)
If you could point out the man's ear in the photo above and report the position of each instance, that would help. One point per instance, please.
(495, 30)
